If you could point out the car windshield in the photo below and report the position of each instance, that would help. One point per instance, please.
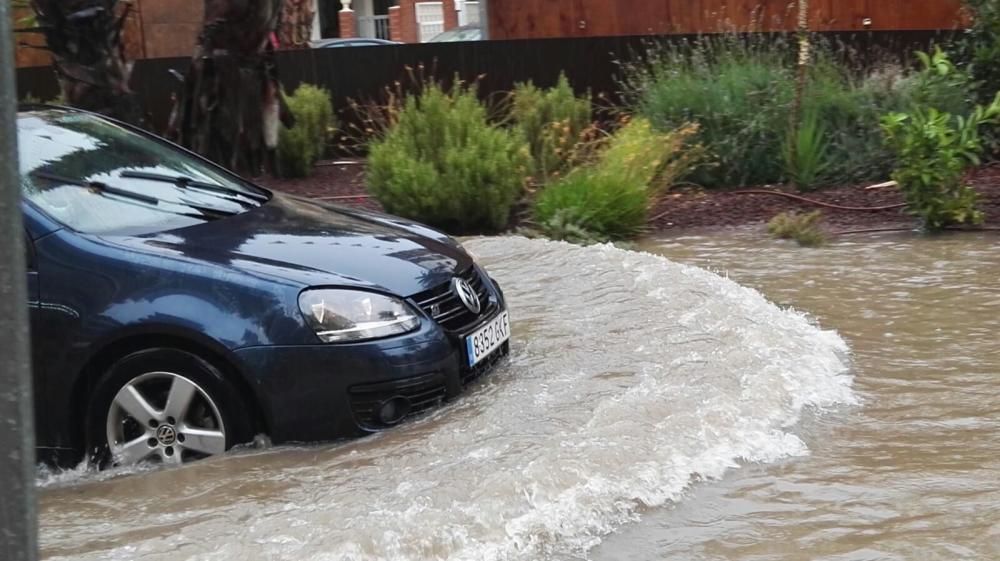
(97, 177)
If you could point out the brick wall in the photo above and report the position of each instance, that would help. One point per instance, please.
(170, 27)
(408, 22)
(26, 53)
(450, 14)
(154, 28)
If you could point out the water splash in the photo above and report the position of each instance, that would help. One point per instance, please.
(630, 378)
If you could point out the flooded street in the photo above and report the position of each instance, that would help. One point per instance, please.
(914, 474)
(650, 410)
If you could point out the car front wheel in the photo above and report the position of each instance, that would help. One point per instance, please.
(164, 406)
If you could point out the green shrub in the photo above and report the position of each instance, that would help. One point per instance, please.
(552, 121)
(300, 147)
(587, 200)
(935, 149)
(803, 228)
(30, 99)
(610, 199)
(807, 153)
(442, 163)
(740, 92)
(982, 48)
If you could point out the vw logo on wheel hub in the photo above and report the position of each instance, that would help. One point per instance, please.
(166, 434)
(466, 294)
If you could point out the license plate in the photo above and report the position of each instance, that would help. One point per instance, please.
(488, 339)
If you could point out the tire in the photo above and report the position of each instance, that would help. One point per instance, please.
(164, 405)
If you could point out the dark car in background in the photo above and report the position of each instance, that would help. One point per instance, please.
(459, 34)
(351, 42)
(178, 310)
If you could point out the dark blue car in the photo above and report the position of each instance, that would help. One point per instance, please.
(178, 310)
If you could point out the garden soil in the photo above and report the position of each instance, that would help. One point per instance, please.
(691, 208)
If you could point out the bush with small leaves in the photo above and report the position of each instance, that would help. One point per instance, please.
(553, 121)
(444, 164)
(300, 147)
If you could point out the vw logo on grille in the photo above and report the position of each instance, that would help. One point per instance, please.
(466, 294)
(166, 434)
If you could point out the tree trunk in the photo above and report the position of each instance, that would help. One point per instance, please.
(85, 39)
(230, 106)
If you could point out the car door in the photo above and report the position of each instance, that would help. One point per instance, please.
(42, 428)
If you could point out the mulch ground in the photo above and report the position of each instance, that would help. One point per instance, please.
(338, 181)
(342, 182)
(695, 209)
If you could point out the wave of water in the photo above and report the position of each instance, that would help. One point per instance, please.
(630, 378)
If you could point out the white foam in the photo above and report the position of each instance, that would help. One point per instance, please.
(631, 378)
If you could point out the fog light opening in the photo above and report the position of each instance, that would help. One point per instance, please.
(393, 410)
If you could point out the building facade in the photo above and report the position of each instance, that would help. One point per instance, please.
(169, 28)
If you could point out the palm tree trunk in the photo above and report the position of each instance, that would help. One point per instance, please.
(230, 105)
(84, 37)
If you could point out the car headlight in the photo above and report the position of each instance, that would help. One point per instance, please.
(352, 315)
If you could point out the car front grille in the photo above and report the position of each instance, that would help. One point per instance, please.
(423, 392)
(448, 311)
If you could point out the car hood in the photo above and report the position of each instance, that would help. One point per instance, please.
(315, 244)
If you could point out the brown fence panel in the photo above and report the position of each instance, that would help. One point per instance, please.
(529, 19)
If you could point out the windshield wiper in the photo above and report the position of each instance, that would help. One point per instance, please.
(97, 187)
(185, 182)
(101, 188)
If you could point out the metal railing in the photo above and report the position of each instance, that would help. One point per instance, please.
(376, 27)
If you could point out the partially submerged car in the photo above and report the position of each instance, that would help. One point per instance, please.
(178, 310)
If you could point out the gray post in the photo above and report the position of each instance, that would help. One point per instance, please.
(484, 18)
(18, 518)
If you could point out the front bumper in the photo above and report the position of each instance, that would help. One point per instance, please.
(325, 392)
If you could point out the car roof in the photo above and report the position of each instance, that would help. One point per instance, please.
(458, 33)
(351, 42)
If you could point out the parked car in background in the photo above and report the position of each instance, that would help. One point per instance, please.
(178, 310)
(354, 42)
(464, 33)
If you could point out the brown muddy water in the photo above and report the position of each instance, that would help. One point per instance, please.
(650, 410)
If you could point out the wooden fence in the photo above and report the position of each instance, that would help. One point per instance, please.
(363, 73)
(527, 19)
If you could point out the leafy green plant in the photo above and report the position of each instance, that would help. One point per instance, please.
(30, 99)
(300, 147)
(807, 152)
(443, 163)
(609, 199)
(553, 122)
(803, 228)
(935, 150)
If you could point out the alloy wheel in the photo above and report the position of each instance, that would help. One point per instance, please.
(166, 418)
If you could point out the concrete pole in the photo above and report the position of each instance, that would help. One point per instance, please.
(18, 517)
(484, 18)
